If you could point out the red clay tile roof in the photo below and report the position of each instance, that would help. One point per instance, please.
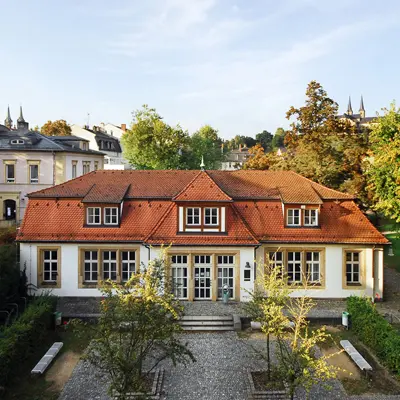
(150, 213)
(202, 188)
(106, 193)
(240, 184)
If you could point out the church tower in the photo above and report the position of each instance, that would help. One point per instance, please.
(8, 121)
(21, 123)
(362, 109)
(349, 108)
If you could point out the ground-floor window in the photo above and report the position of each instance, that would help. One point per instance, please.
(299, 266)
(103, 264)
(226, 274)
(179, 268)
(50, 265)
(353, 268)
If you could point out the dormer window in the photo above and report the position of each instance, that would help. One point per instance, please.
(193, 216)
(211, 216)
(17, 141)
(93, 215)
(293, 217)
(311, 217)
(111, 216)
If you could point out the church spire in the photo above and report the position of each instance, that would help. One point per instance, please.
(362, 109)
(8, 121)
(349, 108)
(21, 117)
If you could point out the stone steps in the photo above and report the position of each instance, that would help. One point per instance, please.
(207, 323)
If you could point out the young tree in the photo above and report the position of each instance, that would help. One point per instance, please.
(138, 323)
(384, 163)
(56, 128)
(268, 302)
(297, 349)
(257, 158)
(153, 144)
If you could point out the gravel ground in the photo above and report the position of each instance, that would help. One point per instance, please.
(220, 372)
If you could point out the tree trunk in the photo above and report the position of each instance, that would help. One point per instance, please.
(268, 358)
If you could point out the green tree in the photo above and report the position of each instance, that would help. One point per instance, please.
(56, 128)
(265, 139)
(153, 144)
(267, 304)
(205, 143)
(278, 139)
(384, 163)
(138, 322)
(300, 365)
(324, 148)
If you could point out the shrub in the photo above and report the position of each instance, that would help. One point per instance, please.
(373, 330)
(18, 341)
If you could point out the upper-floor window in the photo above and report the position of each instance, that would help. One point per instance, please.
(111, 216)
(34, 173)
(86, 166)
(74, 169)
(311, 217)
(193, 216)
(96, 165)
(10, 172)
(293, 216)
(211, 216)
(94, 215)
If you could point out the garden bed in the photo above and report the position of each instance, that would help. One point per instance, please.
(263, 388)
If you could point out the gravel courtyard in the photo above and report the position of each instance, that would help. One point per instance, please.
(220, 372)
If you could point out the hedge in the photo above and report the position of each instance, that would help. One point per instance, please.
(374, 331)
(19, 340)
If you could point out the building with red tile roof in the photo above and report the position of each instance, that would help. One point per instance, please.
(220, 226)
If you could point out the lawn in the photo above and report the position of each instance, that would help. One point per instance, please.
(48, 387)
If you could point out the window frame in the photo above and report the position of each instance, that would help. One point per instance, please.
(87, 216)
(74, 169)
(101, 249)
(109, 261)
(211, 216)
(193, 216)
(284, 264)
(41, 283)
(30, 165)
(316, 216)
(116, 215)
(91, 271)
(312, 263)
(361, 284)
(293, 217)
(8, 163)
(129, 261)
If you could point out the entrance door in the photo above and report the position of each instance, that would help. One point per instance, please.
(10, 209)
(202, 277)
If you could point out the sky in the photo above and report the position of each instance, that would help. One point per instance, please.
(237, 65)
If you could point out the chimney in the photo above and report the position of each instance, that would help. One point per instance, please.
(123, 127)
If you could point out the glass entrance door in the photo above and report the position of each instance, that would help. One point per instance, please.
(202, 282)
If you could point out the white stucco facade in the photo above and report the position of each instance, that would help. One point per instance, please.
(53, 168)
(332, 270)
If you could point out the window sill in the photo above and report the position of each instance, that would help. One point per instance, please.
(353, 284)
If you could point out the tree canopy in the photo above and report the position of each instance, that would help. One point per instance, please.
(56, 128)
(153, 144)
(384, 163)
(265, 138)
(278, 139)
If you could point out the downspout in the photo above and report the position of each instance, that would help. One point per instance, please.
(54, 168)
(148, 248)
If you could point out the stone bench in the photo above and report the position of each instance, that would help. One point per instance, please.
(45, 361)
(355, 356)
